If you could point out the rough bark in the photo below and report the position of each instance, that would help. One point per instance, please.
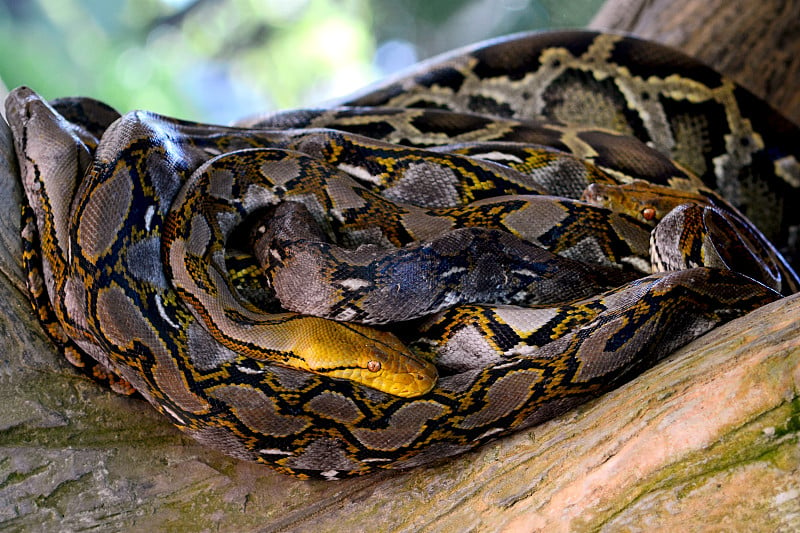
(708, 439)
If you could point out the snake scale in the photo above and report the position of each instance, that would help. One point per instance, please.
(454, 254)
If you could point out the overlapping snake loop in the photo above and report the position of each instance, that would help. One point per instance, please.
(469, 249)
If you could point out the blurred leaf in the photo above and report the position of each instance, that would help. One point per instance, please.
(216, 60)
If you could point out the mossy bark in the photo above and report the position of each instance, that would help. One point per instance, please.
(708, 439)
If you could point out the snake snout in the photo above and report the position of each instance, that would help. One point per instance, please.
(401, 373)
(593, 194)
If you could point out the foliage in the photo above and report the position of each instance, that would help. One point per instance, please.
(215, 60)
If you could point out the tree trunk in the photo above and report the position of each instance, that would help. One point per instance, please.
(708, 439)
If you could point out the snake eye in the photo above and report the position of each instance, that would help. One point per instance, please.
(373, 366)
(648, 213)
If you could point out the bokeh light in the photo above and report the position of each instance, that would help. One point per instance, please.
(217, 60)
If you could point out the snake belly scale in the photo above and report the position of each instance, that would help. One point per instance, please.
(436, 270)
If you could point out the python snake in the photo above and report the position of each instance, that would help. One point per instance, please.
(201, 266)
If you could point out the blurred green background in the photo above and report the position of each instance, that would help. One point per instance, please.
(217, 60)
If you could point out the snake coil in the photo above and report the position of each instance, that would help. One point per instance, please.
(457, 253)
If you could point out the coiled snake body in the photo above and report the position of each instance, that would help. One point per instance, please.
(233, 276)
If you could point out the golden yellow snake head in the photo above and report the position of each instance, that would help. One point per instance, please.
(645, 201)
(365, 355)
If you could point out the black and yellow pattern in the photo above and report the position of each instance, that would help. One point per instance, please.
(148, 239)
